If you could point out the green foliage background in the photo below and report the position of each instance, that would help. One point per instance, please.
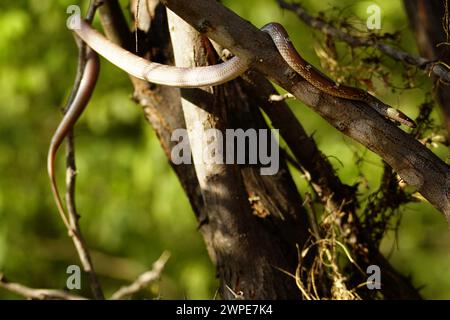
(131, 203)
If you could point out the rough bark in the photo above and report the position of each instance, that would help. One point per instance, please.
(249, 240)
(231, 229)
(415, 164)
(237, 238)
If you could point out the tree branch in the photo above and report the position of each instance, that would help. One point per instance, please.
(320, 173)
(428, 66)
(144, 279)
(425, 18)
(416, 165)
(37, 294)
(78, 240)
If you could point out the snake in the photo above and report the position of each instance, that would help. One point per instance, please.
(311, 74)
(193, 77)
(78, 104)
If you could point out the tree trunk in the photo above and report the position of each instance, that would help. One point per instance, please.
(253, 225)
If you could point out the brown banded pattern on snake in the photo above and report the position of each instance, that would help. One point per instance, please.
(322, 82)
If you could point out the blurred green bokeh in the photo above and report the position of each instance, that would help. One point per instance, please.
(131, 203)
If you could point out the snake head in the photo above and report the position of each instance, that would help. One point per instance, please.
(276, 32)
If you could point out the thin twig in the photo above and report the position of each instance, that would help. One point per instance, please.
(77, 238)
(317, 23)
(37, 294)
(136, 25)
(144, 279)
(79, 242)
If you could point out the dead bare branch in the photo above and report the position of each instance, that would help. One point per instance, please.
(428, 66)
(37, 294)
(144, 279)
